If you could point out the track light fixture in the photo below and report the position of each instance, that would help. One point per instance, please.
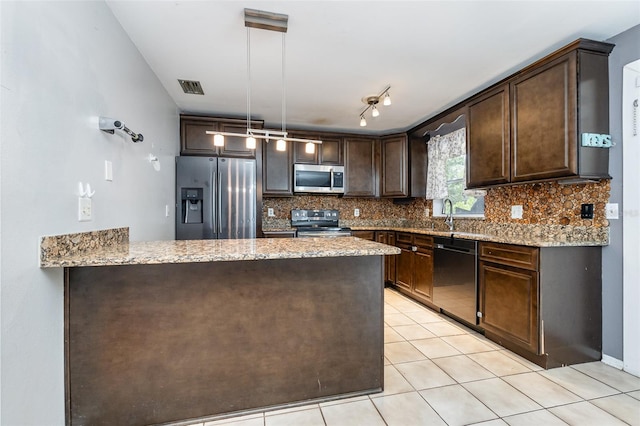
(372, 104)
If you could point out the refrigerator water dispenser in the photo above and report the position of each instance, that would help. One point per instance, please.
(192, 205)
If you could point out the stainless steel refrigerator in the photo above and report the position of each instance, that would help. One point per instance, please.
(215, 198)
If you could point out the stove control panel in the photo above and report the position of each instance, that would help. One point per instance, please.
(325, 217)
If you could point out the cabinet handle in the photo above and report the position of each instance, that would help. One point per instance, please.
(414, 248)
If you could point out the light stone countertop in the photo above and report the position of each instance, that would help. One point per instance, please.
(161, 252)
(517, 239)
(536, 238)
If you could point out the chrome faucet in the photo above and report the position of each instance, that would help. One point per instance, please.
(449, 219)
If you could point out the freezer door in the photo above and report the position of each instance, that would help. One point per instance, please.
(236, 198)
(196, 218)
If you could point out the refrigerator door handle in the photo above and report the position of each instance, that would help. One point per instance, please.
(214, 210)
(219, 202)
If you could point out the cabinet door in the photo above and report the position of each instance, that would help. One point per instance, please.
(194, 138)
(488, 141)
(361, 178)
(300, 154)
(509, 304)
(388, 237)
(331, 151)
(423, 273)
(544, 122)
(235, 146)
(277, 179)
(404, 267)
(395, 165)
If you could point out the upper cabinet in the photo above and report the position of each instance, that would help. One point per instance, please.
(529, 127)
(277, 169)
(488, 142)
(360, 165)
(327, 153)
(194, 139)
(394, 166)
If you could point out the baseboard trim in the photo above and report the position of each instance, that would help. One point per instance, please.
(613, 362)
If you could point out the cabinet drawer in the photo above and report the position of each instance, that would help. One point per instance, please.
(423, 241)
(367, 235)
(512, 255)
(404, 237)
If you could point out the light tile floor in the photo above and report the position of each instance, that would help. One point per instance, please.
(438, 372)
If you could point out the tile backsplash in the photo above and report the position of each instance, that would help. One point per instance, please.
(546, 203)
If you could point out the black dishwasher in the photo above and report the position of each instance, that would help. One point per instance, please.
(454, 277)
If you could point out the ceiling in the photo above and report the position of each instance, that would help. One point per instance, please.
(432, 53)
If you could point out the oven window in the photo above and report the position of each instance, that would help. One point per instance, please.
(313, 179)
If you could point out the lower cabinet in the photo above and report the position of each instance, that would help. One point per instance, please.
(365, 235)
(388, 237)
(543, 303)
(414, 266)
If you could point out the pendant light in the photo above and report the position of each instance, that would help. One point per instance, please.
(272, 22)
(310, 148)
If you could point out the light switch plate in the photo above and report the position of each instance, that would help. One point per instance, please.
(84, 209)
(108, 170)
(516, 212)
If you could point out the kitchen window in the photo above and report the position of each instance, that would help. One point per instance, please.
(465, 203)
(446, 176)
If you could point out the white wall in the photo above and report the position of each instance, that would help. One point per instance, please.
(63, 65)
(631, 213)
(627, 50)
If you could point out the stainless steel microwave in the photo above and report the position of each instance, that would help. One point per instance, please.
(319, 179)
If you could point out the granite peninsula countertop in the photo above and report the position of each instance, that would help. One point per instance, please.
(53, 253)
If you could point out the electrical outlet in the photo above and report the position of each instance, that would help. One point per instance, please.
(270, 212)
(356, 212)
(596, 140)
(84, 209)
(426, 212)
(516, 212)
(611, 211)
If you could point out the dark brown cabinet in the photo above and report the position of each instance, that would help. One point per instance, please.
(277, 169)
(361, 167)
(529, 127)
(365, 235)
(508, 296)
(543, 303)
(327, 153)
(388, 237)
(394, 156)
(194, 139)
(488, 140)
(414, 266)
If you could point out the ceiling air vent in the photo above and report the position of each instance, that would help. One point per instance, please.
(191, 87)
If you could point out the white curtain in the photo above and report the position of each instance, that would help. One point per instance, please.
(440, 149)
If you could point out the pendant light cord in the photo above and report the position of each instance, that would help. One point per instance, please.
(284, 94)
(248, 79)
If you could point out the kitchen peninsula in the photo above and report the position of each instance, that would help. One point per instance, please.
(170, 331)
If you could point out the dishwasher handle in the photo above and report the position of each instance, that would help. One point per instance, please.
(456, 250)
